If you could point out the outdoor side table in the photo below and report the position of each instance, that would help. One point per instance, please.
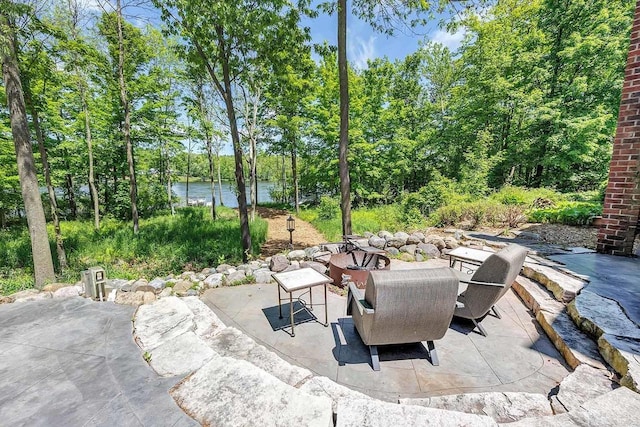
(465, 255)
(296, 280)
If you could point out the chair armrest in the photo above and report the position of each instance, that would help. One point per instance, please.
(358, 297)
(475, 282)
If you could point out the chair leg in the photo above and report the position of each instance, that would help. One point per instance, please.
(480, 328)
(496, 312)
(433, 354)
(375, 360)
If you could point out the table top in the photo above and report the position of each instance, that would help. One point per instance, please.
(300, 279)
(470, 254)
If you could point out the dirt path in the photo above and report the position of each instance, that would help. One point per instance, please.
(278, 236)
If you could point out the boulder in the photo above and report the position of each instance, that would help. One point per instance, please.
(255, 265)
(392, 251)
(129, 298)
(310, 252)
(158, 284)
(385, 234)
(407, 257)
(166, 292)
(231, 392)
(297, 255)
(182, 286)
(429, 249)
(205, 322)
(413, 240)
(295, 265)
(222, 268)
(419, 257)
(263, 275)
(322, 256)
(118, 283)
(396, 242)
(213, 280)
(68, 292)
(334, 248)
(30, 295)
(450, 242)
(235, 278)
(278, 263)
(436, 241)
(377, 242)
(6, 300)
(52, 287)
(401, 235)
(418, 235)
(317, 266)
(410, 249)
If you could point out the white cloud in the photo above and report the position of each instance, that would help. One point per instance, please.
(452, 41)
(360, 51)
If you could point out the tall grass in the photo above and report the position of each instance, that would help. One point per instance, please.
(362, 219)
(165, 244)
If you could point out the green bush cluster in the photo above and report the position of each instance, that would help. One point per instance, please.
(570, 213)
(165, 244)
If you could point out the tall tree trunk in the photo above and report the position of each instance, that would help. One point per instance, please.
(186, 195)
(41, 251)
(133, 188)
(345, 183)
(294, 175)
(211, 173)
(92, 179)
(169, 193)
(237, 152)
(284, 180)
(219, 178)
(44, 158)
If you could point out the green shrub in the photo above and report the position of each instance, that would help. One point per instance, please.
(511, 195)
(570, 213)
(328, 208)
(449, 214)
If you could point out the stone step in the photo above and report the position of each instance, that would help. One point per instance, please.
(375, 413)
(563, 287)
(502, 407)
(619, 407)
(575, 346)
(618, 336)
(231, 392)
(161, 321)
(324, 387)
(580, 386)
(232, 343)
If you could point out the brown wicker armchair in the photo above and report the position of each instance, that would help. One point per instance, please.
(403, 306)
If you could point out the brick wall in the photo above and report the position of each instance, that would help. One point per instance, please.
(621, 213)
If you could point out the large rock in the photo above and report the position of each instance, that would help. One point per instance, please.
(619, 407)
(297, 255)
(437, 242)
(450, 242)
(134, 298)
(278, 263)
(235, 278)
(68, 292)
(158, 284)
(213, 280)
(161, 321)
(317, 266)
(375, 413)
(182, 286)
(415, 238)
(429, 249)
(6, 299)
(377, 242)
(385, 234)
(410, 249)
(323, 257)
(582, 385)
(564, 287)
(231, 342)
(223, 268)
(230, 392)
(502, 407)
(311, 251)
(263, 276)
(180, 356)
(396, 242)
(392, 251)
(52, 287)
(622, 354)
(30, 295)
(597, 315)
(324, 387)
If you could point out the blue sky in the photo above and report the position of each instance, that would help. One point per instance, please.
(363, 43)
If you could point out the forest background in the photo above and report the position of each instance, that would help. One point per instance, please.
(529, 99)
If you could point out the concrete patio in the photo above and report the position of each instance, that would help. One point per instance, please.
(516, 356)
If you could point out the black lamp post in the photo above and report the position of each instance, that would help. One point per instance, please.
(291, 226)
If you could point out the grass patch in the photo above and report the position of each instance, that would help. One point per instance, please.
(165, 244)
(362, 219)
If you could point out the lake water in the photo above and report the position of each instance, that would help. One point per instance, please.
(202, 190)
